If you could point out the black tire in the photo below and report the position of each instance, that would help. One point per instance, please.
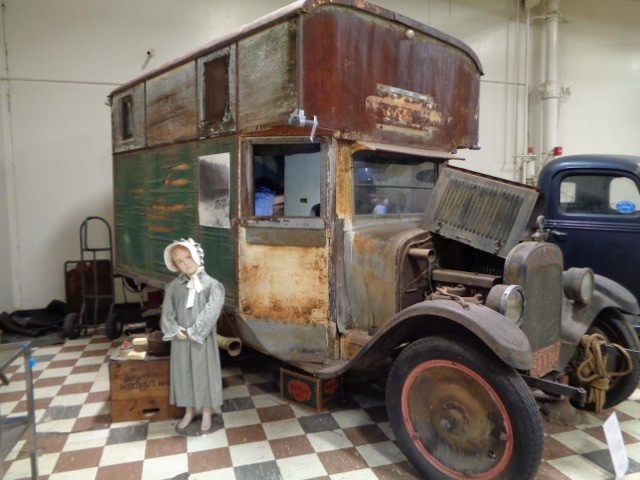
(113, 326)
(458, 412)
(71, 326)
(617, 330)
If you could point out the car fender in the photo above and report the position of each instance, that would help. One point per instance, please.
(577, 317)
(623, 298)
(443, 316)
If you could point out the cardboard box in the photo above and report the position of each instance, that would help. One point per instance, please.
(140, 390)
(309, 391)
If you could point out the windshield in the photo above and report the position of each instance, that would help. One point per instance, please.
(388, 183)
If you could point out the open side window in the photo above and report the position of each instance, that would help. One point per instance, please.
(285, 182)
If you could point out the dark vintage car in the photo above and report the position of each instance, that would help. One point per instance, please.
(592, 209)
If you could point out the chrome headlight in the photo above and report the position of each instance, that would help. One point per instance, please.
(508, 300)
(578, 284)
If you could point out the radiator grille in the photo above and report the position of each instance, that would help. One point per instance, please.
(537, 267)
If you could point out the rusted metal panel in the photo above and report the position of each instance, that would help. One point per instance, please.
(385, 81)
(372, 273)
(291, 342)
(283, 283)
(172, 111)
(267, 76)
(484, 212)
(293, 237)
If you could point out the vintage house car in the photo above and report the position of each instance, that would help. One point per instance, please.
(347, 114)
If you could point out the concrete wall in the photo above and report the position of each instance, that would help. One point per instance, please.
(65, 56)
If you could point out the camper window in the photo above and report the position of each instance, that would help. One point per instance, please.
(127, 116)
(216, 88)
(286, 179)
(216, 92)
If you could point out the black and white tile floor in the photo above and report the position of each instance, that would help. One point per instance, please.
(263, 437)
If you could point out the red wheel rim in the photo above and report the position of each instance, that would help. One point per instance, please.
(450, 401)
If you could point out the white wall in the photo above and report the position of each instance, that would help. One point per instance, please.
(65, 56)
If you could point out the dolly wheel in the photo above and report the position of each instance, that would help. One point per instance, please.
(113, 326)
(71, 326)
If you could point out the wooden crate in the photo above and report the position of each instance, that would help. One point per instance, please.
(140, 390)
(308, 390)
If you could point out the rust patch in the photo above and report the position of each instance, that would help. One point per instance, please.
(153, 216)
(404, 109)
(180, 166)
(169, 208)
(545, 360)
(362, 244)
(287, 284)
(177, 182)
(159, 228)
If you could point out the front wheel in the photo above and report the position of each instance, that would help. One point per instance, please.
(459, 413)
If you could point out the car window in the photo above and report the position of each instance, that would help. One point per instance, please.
(599, 195)
(389, 183)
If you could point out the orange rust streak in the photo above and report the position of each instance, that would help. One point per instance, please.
(178, 182)
(169, 208)
(179, 167)
(158, 228)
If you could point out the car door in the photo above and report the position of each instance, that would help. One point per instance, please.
(594, 215)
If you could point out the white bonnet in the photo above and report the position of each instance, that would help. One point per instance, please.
(194, 249)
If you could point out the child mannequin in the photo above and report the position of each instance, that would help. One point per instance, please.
(192, 304)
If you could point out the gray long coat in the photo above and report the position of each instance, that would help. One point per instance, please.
(195, 378)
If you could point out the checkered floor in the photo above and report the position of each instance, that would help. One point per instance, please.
(264, 437)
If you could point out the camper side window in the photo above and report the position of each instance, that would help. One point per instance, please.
(216, 92)
(126, 109)
(286, 180)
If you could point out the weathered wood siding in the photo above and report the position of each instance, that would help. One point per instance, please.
(267, 76)
(171, 107)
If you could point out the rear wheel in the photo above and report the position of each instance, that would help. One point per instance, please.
(616, 330)
(459, 413)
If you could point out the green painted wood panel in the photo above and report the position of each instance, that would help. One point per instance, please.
(156, 202)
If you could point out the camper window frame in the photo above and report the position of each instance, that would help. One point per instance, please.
(207, 127)
(248, 219)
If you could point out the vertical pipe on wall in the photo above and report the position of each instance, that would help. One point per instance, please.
(11, 295)
(549, 90)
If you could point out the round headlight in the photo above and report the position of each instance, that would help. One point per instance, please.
(508, 300)
(578, 284)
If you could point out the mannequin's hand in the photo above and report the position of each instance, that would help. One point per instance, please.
(181, 334)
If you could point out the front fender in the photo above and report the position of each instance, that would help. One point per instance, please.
(577, 318)
(433, 317)
(623, 298)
